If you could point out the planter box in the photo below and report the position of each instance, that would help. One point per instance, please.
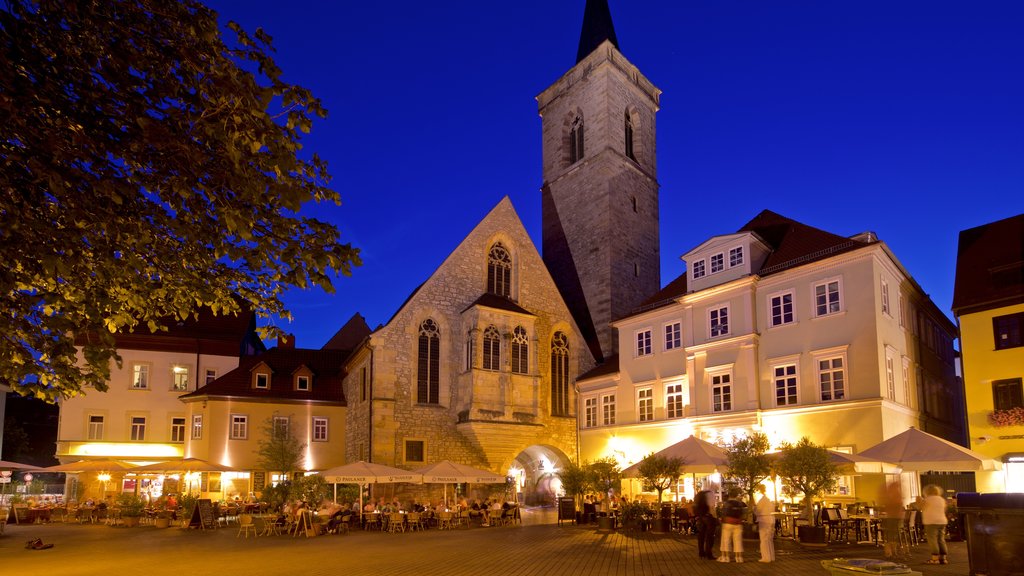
(162, 522)
(812, 535)
(605, 523)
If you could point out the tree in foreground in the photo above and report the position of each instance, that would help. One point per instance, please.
(605, 475)
(748, 464)
(278, 448)
(149, 167)
(575, 479)
(807, 469)
(659, 472)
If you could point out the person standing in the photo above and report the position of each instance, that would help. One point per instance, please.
(764, 511)
(933, 516)
(707, 524)
(732, 528)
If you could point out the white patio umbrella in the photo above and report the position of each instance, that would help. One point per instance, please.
(447, 472)
(699, 457)
(916, 450)
(364, 473)
(850, 462)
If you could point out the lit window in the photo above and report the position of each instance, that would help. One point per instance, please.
(645, 404)
(492, 349)
(717, 263)
(177, 429)
(415, 451)
(674, 400)
(718, 320)
(140, 376)
(698, 269)
(520, 351)
(736, 256)
(781, 309)
(608, 409)
(499, 271)
(239, 427)
(302, 383)
(721, 393)
(95, 427)
(428, 374)
(319, 429)
(643, 342)
(832, 377)
(179, 377)
(673, 336)
(590, 412)
(826, 298)
(559, 374)
(197, 427)
(138, 433)
(785, 385)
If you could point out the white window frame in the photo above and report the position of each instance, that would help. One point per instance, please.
(715, 323)
(178, 429)
(96, 427)
(720, 386)
(735, 256)
(907, 399)
(320, 429)
(901, 301)
(828, 303)
(699, 269)
(673, 335)
(608, 409)
(197, 426)
(137, 428)
(675, 399)
(890, 375)
(140, 375)
(282, 423)
(644, 345)
(265, 377)
(780, 296)
(885, 298)
(591, 408)
(830, 356)
(299, 380)
(645, 404)
(789, 378)
(211, 375)
(239, 429)
(720, 257)
(180, 374)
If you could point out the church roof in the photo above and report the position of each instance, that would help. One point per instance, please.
(597, 27)
(325, 386)
(499, 303)
(794, 243)
(990, 266)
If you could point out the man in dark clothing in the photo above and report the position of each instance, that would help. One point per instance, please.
(706, 522)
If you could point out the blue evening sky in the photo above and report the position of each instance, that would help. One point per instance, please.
(903, 117)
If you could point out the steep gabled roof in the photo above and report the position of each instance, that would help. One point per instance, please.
(794, 243)
(499, 303)
(990, 266)
(597, 27)
(350, 335)
(326, 385)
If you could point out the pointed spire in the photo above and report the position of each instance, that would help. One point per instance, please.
(597, 27)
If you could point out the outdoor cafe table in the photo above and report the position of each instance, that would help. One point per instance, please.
(33, 515)
(787, 523)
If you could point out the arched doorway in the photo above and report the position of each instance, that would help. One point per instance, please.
(535, 474)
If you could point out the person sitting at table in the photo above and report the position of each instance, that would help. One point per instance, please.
(371, 506)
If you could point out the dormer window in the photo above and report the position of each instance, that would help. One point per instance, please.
(302, 383)
(698, 269)
(717, 263)
(262, 380)
(736, 256)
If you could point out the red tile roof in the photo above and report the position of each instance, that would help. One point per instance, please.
(222, 335)
(609, 366)
(350, 335)
(794, 243)
(990, 266)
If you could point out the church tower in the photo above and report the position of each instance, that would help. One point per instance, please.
(600, 190)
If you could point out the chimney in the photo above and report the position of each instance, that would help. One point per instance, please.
(286, 342)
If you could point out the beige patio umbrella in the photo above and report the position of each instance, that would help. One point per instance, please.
(184, 466)
(699, 457)
(363, 473)
(447, 472)
(916, 450)
(90, 466)
(850, 462)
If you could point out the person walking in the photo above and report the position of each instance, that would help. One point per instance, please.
(933, 516)
(764, 511)
(732, 528)
(706, 524)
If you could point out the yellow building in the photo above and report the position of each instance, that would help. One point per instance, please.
(988, 301)
(780, 328)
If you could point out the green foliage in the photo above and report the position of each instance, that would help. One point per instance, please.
(605, 475)
(276, 496)
(151, 168)
(311, 489)
(807, 469)
(188, 503)
(748, 464)
(659, 472)
(575, 479)
(131, 505)
(278, 448)
(631, 512)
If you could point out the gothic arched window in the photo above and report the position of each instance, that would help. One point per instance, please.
(629, 136)
(492, 349)
(499, 271)
(559, 375)
(520, 351)
(428, 374)
(576, 140)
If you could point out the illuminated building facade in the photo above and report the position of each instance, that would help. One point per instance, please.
(988, 301)
(780, 328)
(140, 417)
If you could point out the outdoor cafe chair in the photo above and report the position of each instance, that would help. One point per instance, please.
(413, 520)
(245, 524)
(4, 512)
(444, 520)
(372, 521)
(396, 522)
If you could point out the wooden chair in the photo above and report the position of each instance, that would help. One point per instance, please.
(444, 520)
(396, 522)
(413, 519)
(372, 521)
(4, 513)
(245, 524)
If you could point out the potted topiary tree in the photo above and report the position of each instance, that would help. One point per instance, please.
(806, 468)
(659, 473)
(605, 477)
(749, 466)
(575, 481)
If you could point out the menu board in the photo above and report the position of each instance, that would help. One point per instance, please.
(566, 509)
(259, 481)
(202, 515)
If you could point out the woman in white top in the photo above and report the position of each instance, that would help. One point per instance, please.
(933, 516)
